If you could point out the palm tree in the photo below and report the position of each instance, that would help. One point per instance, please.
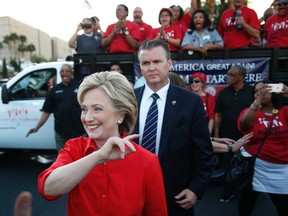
(22, 48)
(4, 69)
(14, 38)
(31, 48)
(11, 41)
(22, 39)
(7, 41)
(1, 47)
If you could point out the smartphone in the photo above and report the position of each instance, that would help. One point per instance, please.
(276, 87)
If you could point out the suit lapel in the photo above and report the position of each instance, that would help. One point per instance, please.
(139, 94)
(171, 108)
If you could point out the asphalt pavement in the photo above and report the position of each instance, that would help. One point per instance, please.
(18, 172)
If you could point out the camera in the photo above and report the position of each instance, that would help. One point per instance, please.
(86, 25)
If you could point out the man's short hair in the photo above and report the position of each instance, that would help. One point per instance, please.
(125, 8)
(149, 44)
(240, 68)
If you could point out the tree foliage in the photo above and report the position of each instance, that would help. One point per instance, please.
(4, 69)
(17, 44)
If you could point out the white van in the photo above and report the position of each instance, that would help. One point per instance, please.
(22, 98)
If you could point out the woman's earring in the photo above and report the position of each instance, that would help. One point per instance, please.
(119, 122)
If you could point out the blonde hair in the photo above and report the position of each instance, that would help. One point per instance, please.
(118, 88)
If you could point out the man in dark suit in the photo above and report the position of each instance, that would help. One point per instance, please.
(182, 142)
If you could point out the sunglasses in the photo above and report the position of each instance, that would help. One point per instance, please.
(195, 81)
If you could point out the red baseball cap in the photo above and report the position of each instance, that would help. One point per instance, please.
(199, 75)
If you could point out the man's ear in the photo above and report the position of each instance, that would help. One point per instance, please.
(170, 64)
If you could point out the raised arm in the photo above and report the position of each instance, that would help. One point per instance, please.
(72, 40)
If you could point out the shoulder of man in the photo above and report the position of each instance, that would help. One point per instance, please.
(183, 92)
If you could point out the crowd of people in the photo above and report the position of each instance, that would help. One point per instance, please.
(175, 132)
(238, 27)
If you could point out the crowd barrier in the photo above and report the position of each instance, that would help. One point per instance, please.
(268, 63)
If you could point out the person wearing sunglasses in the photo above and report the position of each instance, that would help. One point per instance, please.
(276, 28)
(197, 83)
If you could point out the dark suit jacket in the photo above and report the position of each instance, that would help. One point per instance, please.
(185, 148)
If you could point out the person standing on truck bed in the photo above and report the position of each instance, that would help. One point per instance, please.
(62, 101)
(122, 36)
(90, 42)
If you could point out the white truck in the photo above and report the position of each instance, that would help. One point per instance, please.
(22, 98)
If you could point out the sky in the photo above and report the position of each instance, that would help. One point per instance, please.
(59, 18)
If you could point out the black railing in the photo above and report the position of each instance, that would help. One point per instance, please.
(278, 71)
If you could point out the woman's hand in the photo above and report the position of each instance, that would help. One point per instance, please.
(207, 46)
(261, 94)
(240, 142)
(203, 51)
(223, 140)
(116, 148)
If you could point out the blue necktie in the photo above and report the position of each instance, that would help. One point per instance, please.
(150, 129)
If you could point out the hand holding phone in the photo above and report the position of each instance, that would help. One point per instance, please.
(277, 88)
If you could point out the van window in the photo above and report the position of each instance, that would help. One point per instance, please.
(34, 85)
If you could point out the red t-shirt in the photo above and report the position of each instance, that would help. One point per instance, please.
(145, 31)
(183, 24)
(275, 147)
(119, 43)
(172, 31)
(209, 105)
(233, 37)
(132, 186)
(276, 31)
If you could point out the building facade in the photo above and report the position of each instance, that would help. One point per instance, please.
(46, 46)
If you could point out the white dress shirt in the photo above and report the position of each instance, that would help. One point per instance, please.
(144, 107)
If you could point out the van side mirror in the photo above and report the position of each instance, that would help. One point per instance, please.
(5, 94)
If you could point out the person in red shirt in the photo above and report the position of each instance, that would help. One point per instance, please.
(266, 113)
(182, 19)
(106, 173)
(197, 83)
(238, 25)
(276, 27)
(122, 36)
(170, 33)
(144, 28)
